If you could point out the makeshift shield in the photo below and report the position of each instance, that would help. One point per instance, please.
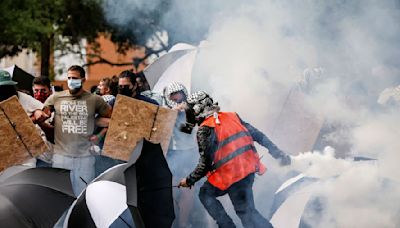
(132, 120)
(296, 128)
(20, 139)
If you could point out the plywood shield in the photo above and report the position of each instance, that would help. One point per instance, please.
(297, 127)
(20, 139)
(133, 120)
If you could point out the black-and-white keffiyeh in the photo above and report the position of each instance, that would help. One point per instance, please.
(202, 104)
(174, 87)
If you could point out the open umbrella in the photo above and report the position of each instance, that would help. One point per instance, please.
(11, 171)
(149, 187)
(290, 201)
(143, 187)
(35, 197)
(298, 201)
(23, 78)
(103, 203)
(176, 65)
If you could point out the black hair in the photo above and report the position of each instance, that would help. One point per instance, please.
(79, 69)
(144, 81)
(128, 74)
(111, 83)
(58, 88)
(93, 89)
(44, 81)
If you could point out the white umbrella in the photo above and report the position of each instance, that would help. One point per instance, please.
(103, 203)
(175, 66)
(106, 194)
(291, 200)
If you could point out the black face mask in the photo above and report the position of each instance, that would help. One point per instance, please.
(190, 122)
(7, 91)
(125, 90)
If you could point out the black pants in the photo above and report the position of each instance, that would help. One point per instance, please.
(241, 195)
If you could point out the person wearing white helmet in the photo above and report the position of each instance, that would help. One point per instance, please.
(229, 159)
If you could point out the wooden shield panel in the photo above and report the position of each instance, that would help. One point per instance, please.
(133, 120)
(297, 127)
(20, 139)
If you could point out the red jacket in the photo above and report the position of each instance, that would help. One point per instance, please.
(235, 156)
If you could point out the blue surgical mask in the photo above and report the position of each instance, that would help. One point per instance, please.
(74, 83)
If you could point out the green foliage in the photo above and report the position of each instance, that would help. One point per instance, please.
(39, 24)
(24, 23)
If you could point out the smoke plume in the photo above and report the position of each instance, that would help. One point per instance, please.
(310, 70)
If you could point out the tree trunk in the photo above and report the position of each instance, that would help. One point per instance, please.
(45, 53)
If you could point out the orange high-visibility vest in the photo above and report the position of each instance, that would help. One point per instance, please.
(235, 156)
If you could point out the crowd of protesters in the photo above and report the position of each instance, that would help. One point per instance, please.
(75, 123)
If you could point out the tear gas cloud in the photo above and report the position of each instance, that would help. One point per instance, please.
(333, 58)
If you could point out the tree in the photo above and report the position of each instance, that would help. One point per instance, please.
(39, 24)
(135, 29)
(34, 24)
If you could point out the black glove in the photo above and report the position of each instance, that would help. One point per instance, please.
(285, 160)
(186, 128)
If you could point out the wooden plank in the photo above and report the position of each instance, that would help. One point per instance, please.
(133, 120)
(297, 127)
(20, 139)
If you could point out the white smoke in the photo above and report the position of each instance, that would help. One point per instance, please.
(257, 54)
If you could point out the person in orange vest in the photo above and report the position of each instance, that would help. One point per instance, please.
(229, 160)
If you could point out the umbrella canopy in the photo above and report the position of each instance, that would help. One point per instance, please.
(290, 201)
(35, 197)
(23, 78)
(176, 65)
(103, 203)
(297, 202)
(11, 171)
(133, 194)
(151, 179)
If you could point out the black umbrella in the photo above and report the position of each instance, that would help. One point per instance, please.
(35, 197)
(11, 171)
(82, 214)
(149, 187)
(148, 194)
(23, 78)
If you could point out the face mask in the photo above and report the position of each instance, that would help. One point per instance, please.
(7, 91)
(74, 83)
(125, 90)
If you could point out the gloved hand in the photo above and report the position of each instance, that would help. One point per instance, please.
(285, 160)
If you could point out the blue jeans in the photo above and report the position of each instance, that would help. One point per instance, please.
(103, 163)
(241, 195)
(82, 170)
